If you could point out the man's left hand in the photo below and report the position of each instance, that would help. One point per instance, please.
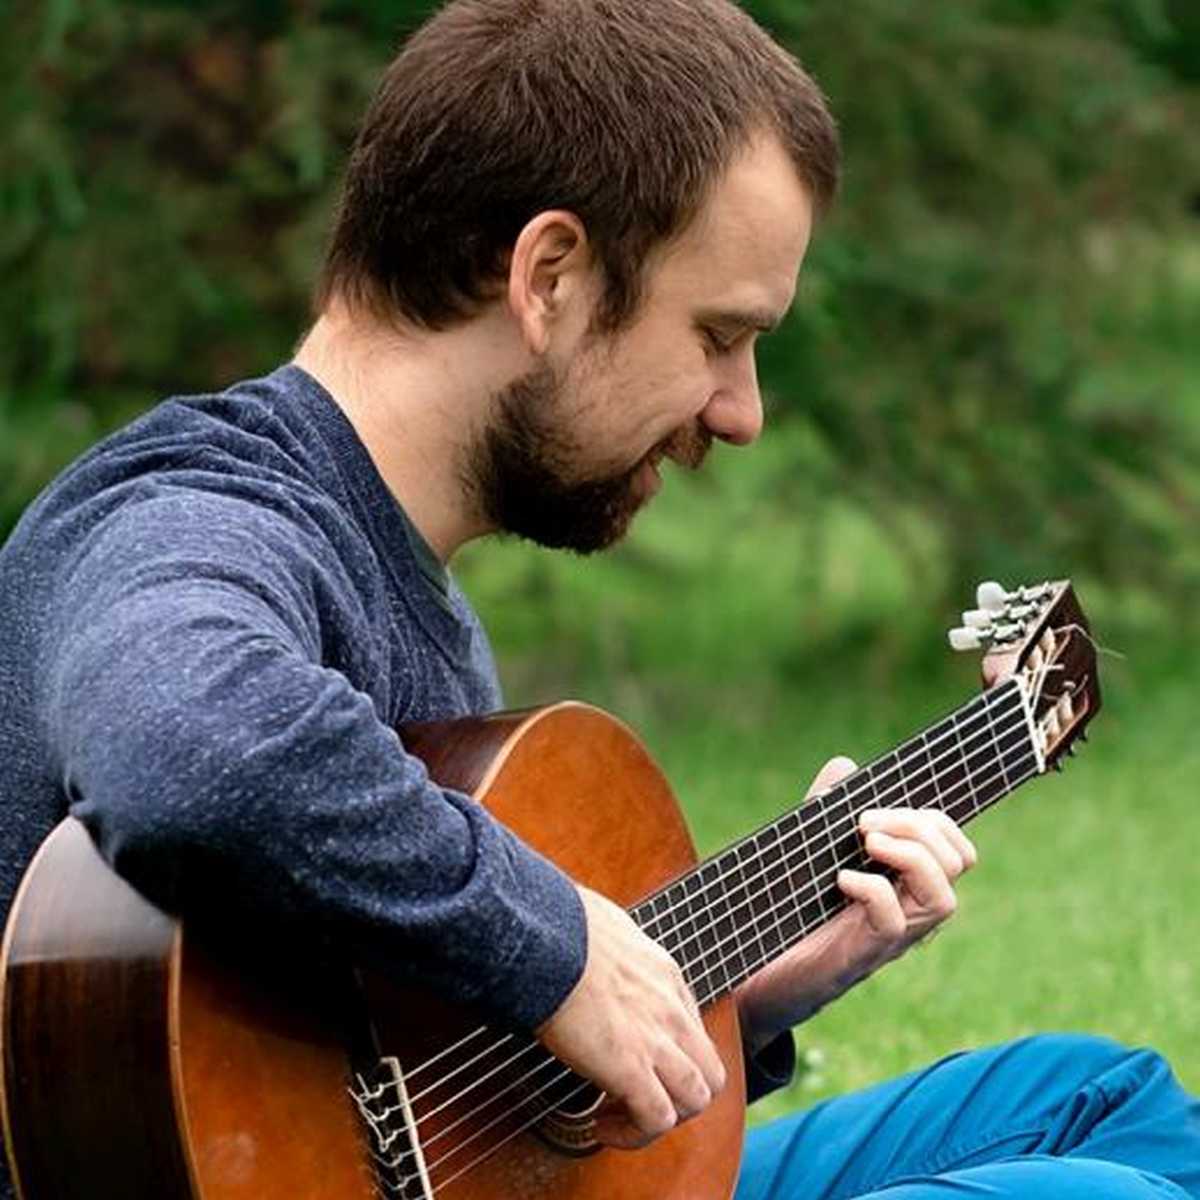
(927, 851)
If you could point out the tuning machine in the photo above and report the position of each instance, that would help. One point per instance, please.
(1001, 618)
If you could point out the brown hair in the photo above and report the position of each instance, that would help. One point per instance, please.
(624, 112)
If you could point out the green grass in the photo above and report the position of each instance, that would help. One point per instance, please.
(748, 647)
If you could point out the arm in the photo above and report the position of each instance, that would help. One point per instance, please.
(232, 777)
(228, 774)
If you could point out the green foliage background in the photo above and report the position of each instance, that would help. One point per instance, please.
(993, 369)
(991, 351)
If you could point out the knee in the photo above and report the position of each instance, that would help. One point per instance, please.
(1087, 1054)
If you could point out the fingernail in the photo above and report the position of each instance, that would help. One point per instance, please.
(871, 819)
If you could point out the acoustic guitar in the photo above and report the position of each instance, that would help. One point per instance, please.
(144, 1059)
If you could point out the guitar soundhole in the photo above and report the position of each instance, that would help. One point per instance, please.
(569, 1127)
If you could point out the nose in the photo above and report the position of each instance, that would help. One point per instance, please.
(734, 413)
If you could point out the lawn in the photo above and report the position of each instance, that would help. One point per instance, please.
(747, 648)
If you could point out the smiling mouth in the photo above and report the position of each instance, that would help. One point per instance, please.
(648, 475)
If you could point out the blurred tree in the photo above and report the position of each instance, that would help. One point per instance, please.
(969, 338)
(1019, 175)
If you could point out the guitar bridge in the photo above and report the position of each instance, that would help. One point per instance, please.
(397, 1161)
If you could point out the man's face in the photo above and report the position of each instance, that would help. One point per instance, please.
(574, 447)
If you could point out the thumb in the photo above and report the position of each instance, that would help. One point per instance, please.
(833, 772)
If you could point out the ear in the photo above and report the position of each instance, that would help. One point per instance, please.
(549, 277)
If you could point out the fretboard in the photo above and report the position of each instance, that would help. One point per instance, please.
(742, 908)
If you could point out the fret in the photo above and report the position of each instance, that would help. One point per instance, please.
(726, 956)
(665, 913)
(890, 784)
(842, 817)
(1016, 737)
(968, 771)
(811, 907)
(942, 781)
(989, 760)
(747, 868)
(988, 771)
(698, 937)
(820, 857)
(767, 876)
(786, 892)
(921, 787)
(729, 919)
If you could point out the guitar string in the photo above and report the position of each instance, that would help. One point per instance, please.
(967, 781)
(798, 835)
(530, 1122)
(815, 884)
(548, 1061)
(849, 784)
(800, 897)
(581, 1087)
(972, 808)
(990, 706)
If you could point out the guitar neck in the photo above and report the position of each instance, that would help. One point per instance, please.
(742, 908)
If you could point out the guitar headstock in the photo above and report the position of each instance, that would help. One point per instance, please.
(1040, 633)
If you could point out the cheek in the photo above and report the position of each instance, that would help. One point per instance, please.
(671, 391)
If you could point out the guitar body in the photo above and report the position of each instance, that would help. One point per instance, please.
(142, 1063)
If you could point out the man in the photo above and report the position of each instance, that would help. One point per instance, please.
(564, 226)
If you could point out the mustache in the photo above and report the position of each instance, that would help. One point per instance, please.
(688, 446)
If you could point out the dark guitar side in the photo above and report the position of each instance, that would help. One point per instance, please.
(86, 1018)
(141, 1063)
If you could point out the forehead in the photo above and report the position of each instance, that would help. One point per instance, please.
(744, 249)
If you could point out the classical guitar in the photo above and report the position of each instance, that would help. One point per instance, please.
(144, 1058)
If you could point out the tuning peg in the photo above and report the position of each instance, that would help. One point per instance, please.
(978, 618)
(992, 597)
(1003, 634)
(967, 639)
(1021, 612)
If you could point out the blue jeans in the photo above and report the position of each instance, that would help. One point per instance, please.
(1060, 1116)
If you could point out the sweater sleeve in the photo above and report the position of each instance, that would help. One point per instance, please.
(229, 775)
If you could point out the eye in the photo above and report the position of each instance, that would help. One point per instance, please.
(716, 342)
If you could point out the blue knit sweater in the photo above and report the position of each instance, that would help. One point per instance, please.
(210, 625)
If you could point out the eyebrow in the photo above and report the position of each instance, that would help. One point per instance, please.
(764, 320)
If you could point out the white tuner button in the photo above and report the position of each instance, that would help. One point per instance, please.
(991, 596)
(966, 639)
(978, 618)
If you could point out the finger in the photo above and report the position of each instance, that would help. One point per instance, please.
(925, 826)
(831, 774)
(683, 1081)
(687, 997)
(960, 841)
(879, 900)
(612, 1127)
(644, 1111)
(996, 668)
(922, 875)
(694, 1042)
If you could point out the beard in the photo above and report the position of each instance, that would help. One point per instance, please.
(527, 480)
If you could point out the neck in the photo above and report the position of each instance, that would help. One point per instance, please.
(418, 401)
(742, 908)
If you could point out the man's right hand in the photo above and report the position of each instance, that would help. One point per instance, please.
(633, 1028)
